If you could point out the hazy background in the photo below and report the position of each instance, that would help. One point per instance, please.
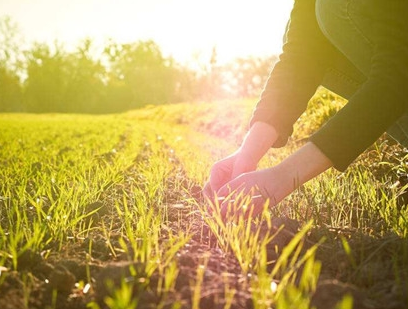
(123, 51)
(180, 27)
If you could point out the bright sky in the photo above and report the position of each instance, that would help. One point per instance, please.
(182, 28)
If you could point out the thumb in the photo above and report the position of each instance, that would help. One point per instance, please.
(207, 191)
(224, 190)
(231, 187)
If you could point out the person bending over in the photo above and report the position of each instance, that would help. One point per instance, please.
(355, 48)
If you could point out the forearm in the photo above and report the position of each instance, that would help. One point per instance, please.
(258, 141)
(303, 165)
(295, 77)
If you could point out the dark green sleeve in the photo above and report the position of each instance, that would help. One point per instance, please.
(296, 76)
(378, 103)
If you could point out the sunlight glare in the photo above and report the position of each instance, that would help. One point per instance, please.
(182, 28)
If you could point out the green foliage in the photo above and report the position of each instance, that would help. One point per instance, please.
(141, 71)
(48, 73)
(11, 91)
(122, 298)
(133, 178)
(320, 109)
(48, 78)
(10, 67)
(249, 75)
(54, 168)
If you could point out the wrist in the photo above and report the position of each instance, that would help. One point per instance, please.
(258, 140)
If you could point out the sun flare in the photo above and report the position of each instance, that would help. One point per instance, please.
(182, 28)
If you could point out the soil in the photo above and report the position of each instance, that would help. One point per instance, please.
(72, 276)
(51, 281)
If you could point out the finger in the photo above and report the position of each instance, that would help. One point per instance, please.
(232, 207)
(231, 199)
(226, 208)
(220, 175)
(218, 182)
(209, 196)
(207, 191)
(256, 206)
(244, 204)
(235, 186)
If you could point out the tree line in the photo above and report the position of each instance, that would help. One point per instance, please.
(44, 78)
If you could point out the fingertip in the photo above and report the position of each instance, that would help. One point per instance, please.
(207, 191)
(223, 210)
(223, 191)
(210, 208)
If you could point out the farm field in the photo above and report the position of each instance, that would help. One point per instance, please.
(106, 212)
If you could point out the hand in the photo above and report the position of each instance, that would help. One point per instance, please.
(250, 193)
(258, 140)
(225, 170)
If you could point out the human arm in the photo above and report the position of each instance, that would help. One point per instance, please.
(373, 108)
(275, 183)
(306, 56)
(382, 98)
(292, 82)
